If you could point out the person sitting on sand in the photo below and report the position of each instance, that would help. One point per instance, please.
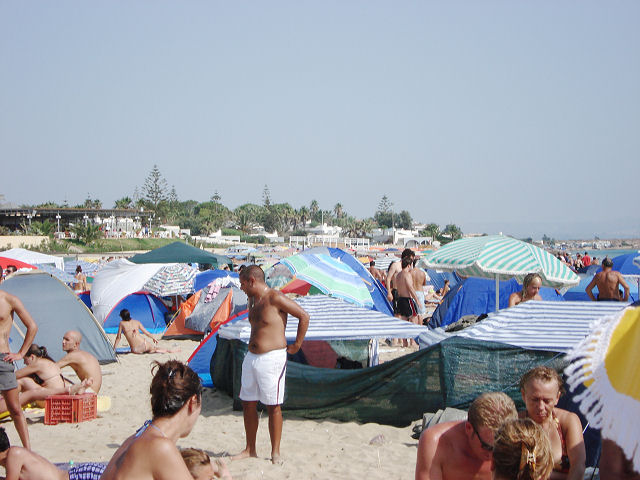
(462, 449)
(176, 396)
(201, 467)
(131, 329)
(541, 388)
(23, 464)
(83, 363)
(41, 377)
(530, 290)
(521, 451)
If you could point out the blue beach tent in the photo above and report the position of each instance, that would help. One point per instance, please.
(201, 358)
(144, 307)
(476, 296)
(377, 292)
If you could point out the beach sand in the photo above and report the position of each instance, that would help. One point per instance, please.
(311, 449)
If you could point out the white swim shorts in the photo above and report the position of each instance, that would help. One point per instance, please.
(263, 377)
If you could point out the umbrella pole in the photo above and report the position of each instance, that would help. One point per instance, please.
(497, 292)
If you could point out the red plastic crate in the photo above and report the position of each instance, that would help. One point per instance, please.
(70, 408)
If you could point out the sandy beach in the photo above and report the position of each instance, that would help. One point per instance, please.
(311, 449)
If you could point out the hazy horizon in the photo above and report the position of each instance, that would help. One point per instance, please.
(513, 117)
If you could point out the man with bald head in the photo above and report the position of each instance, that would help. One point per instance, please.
(83, 363)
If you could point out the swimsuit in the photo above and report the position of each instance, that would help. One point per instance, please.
(87, 471)
(7, 375)
(263, 376)
(406, 307)
(422, 309)
(563, 466)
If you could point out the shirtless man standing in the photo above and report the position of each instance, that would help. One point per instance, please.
(265, 365)
(8, 383)
(392, 271)
(463, 449)
(608, 282)
(419, 282)
(131, 329)
(407, 299)
(375, 273)
(83, 363)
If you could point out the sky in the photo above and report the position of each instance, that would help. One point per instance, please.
(498, 116)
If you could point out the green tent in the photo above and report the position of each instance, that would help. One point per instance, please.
(179, 252)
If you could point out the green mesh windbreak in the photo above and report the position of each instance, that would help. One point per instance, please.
(449, 374)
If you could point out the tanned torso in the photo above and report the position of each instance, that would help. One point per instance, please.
(6, 320)
(32, 466)
(608, 283)
(404, 284)
(419, 279)
(85, 365)
(131, 331)
(268, 323)
(450, 455)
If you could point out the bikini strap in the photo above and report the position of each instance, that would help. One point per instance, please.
(145, 425)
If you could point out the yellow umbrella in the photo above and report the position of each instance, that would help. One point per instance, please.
(608, 363)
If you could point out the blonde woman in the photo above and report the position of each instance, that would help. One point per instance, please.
(521, 451)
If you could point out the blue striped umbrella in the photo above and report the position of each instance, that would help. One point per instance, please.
(497, 255)
(331, 276)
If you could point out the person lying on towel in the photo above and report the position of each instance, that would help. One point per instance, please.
(23, 464)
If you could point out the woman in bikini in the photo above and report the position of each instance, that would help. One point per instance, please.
(151, 453)
(541, 388)
(530, 290)
(41, 377)
(521, 451)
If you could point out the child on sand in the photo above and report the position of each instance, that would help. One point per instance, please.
(201, 467)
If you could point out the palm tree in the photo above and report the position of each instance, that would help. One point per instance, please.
(124, 202)
(337, 210)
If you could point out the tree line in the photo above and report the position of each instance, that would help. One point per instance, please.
(161, 202)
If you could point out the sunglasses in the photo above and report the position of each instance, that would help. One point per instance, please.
(485, 446)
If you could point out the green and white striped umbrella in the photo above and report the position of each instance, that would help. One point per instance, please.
(497, 256)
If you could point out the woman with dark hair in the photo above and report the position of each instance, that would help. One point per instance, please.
(41, 377)
(151, 453)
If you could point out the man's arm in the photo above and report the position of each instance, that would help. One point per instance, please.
(390, 274)
(290, 307)
(27, 321)
(427, 465)
(590, 287)
(65, 361)
(625, 286)
(613, 462)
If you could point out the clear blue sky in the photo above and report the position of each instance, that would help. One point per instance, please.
(512, 116)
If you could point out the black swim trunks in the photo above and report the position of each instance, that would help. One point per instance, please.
(7, 375)
(609, 299)
(406, 307)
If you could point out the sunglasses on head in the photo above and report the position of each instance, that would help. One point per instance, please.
(485, 446)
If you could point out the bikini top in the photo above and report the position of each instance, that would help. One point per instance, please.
(563, 465)
(143, 428)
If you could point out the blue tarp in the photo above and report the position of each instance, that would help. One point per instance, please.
(144, 307)
(437, 278)
(579, 293)
(477, 296)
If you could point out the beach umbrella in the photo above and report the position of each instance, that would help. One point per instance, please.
(607, 362)
(56, 272)
(495, 256)
(171, 280)
(331, 276)
(5, 262)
